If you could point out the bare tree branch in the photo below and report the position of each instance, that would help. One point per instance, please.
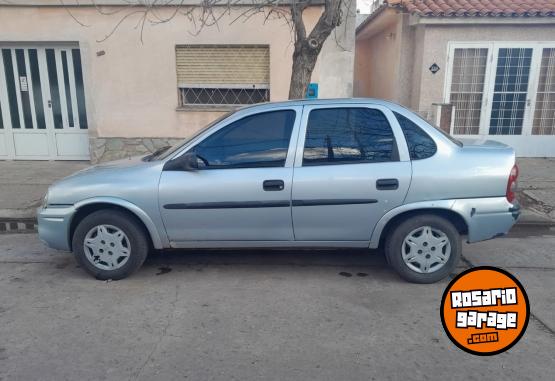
(118, 25)
(210, 13)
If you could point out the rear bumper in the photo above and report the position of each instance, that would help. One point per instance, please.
(54, 226)
(487, 218)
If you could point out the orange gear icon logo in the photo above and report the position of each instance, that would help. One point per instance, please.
(485, 310)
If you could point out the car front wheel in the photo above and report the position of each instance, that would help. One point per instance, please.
(424, 249)
(110, 244)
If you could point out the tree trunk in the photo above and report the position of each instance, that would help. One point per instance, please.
(307, 48)
(304, 60)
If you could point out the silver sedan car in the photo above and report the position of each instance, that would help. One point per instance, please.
(310, 173)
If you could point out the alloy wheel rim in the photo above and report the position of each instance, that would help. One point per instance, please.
(426, 249)
(107, 247)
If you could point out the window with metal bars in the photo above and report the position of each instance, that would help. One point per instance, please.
(510, 91)
(222, 96)
(223, 75)
(467, 88)
(503, 89)
(544, 116)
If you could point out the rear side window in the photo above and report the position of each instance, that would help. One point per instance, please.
(421, 146)
(348, 136)
(259, 140)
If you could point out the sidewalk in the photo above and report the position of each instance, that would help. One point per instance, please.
(23, 184)
(536, 186)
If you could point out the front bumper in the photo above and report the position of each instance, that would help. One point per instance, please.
(54, 226)
(487, 218)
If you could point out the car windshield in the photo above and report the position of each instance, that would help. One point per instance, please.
(167, 151)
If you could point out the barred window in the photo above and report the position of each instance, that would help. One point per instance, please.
(467, 88)
(544, 116)
(222, 75)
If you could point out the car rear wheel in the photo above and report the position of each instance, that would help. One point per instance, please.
(110, 244)
(424, 249)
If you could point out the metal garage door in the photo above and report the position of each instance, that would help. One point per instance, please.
(42, 103)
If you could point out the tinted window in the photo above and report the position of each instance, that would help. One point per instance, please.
(258, 140)
(348, 135)
(421, 146)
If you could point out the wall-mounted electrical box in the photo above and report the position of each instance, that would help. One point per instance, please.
(312, 91)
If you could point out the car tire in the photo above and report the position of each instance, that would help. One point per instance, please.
(125, 238)
(423, 232)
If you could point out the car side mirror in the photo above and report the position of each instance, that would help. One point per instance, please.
(186, 162)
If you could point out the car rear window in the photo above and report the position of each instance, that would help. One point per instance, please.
(420, 144)
(348, 136)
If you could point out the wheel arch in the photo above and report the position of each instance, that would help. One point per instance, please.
(86, 207)
(395, 216)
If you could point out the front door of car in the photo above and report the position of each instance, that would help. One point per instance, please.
(242, 188)
(351, 168)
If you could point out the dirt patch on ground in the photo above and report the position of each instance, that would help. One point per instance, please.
(529, 202)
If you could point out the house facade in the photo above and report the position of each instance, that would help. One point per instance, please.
(479, 69)
(107, 79)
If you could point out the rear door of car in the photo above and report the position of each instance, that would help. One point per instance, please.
(351, 167)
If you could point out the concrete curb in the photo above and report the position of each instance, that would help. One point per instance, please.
(20, 225)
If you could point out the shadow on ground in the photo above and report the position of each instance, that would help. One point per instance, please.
(273, 257)
(164, 260)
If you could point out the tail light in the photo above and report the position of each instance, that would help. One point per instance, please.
(511, 184)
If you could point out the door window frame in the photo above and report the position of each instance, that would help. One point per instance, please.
(393, 123)
(489, 80)
(241, 114)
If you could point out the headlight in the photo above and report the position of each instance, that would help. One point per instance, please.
(45, 200)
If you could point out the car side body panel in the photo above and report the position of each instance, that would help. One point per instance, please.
(381, 224)
(487, 218)
(129, 183)
(54, 220)
(158, 238)
(470, 181)
(476, 170)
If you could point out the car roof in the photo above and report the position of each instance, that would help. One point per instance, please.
(327, 101)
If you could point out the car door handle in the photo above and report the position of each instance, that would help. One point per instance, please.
(273, 185)
(387, 184)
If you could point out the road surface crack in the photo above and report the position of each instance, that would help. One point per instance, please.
(169, 319)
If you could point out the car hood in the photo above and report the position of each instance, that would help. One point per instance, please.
(120, 178)
(111, 165)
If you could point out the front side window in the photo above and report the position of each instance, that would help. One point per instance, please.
(260, 140)
(420, 145)
(222, 75)
(348, 136)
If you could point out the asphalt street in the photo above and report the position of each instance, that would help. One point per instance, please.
(252, 314)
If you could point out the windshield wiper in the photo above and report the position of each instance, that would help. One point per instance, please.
(159, 151)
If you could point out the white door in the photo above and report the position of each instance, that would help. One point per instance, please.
(505, 92)
(42, 103)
